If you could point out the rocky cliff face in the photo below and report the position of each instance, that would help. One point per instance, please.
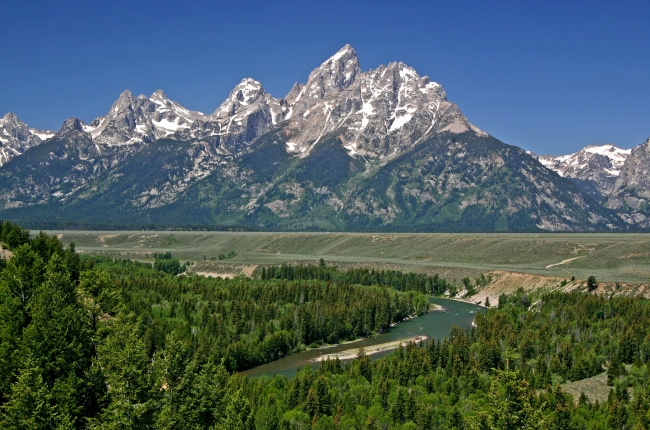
(631, 192)
(594, 168)
(247, 113)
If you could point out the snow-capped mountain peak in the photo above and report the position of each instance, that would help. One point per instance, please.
(338, 71)
(16, 137)
(246, 93)
(587, 158)
(616, 155)
(380, 112)
(594, 167)
(247, 113)
(141, 119)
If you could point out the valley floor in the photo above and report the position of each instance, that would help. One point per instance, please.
(622, 258)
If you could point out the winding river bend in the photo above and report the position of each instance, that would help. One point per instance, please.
(434, 325)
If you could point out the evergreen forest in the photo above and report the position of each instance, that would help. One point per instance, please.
(117, 344)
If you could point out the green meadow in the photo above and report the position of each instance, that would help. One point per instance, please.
(621, 258)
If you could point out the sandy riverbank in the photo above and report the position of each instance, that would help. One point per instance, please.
(349, 354)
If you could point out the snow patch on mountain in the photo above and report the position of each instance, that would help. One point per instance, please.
(572, 164)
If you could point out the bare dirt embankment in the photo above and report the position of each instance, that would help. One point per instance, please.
(224, 271)
(509, 282)
(6, 254)
(217, 275)
(504, 282)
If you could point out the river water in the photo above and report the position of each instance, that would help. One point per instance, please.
(434, 325)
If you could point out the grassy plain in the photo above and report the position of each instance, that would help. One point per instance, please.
(611, 257)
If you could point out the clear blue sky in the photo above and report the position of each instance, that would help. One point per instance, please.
(548, 76)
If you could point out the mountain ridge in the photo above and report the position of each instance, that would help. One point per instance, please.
(382, 149)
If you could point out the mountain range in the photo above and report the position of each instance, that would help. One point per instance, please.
(381, 150)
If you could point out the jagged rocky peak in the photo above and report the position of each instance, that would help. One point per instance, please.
(72, 125)
(294, 94)
(11, 121)
(246, 93)
(379, 113)
(394, 94)
(141, 119)
(247, 113)
(169, 108)
(12, 127)
(339, 71)
(75, 138)
(118, 125)
(16, 137)
(159, 96)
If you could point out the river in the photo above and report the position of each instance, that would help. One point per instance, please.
(433, 325)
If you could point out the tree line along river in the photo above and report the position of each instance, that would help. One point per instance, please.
(434, 325)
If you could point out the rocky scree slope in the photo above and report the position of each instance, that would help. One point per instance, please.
(382, 150)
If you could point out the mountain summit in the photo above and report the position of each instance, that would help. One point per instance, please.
(16, 137)
(594, 168)
(348, 149)
(141, 119)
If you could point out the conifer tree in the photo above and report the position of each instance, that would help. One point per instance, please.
(268, 415)
(238, 414)
(59, 340)
(30, 402)
(618, 415)
(127, 369)
(18, 283)
(398, 411)
(510, 407)
(170, 366)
